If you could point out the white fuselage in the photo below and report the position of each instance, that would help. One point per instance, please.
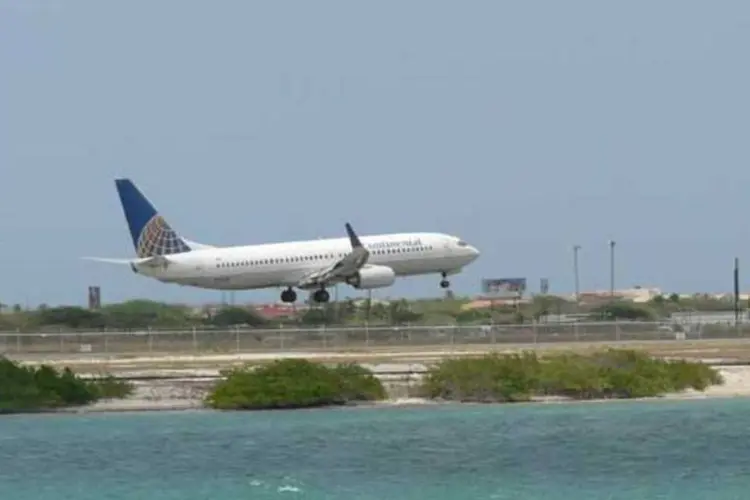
(284, 264)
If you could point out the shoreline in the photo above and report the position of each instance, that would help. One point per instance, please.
(187, 395)
(104, 408)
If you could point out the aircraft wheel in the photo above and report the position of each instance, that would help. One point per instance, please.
(288, 296)
(322, 296)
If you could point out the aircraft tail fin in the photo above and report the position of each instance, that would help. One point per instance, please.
(151, 233)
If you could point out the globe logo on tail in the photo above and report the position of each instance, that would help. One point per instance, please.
(158, 238)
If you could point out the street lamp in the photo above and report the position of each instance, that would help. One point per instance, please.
(612, 268)
(576, 249)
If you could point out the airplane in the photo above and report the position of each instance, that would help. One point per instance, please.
(364, 263)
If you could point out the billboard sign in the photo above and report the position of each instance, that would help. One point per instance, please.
(504, 287)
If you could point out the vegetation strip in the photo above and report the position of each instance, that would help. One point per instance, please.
(42, 388)
(601, 375)
(302, 383)
(145, 314)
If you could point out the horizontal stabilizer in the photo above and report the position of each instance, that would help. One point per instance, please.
(197, 246)
(155, 261)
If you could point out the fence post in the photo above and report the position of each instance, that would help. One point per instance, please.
(617, 331)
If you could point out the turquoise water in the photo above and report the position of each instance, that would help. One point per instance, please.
(625, 450)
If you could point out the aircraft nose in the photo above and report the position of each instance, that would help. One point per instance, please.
(474, 251)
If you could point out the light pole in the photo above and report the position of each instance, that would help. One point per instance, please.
(612, 268)
(576, 249)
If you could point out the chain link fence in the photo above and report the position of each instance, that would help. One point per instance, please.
(245, 340)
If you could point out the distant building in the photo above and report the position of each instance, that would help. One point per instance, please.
(486, 303)
(276, 311)
(636, 294)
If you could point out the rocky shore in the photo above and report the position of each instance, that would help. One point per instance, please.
(185, 391)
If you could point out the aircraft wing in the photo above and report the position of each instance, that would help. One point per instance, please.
(155, 261)
(340, 270)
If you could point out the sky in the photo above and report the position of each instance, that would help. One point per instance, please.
(523, 127)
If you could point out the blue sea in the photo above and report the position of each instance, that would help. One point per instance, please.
(604, 451)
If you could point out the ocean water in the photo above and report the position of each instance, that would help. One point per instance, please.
(604, 451)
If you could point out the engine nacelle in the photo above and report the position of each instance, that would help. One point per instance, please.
(372, 277)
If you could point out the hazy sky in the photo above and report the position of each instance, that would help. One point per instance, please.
(523, 127)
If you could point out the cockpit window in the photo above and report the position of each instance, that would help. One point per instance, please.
(462, 243)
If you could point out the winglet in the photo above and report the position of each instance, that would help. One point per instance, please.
(353, 238)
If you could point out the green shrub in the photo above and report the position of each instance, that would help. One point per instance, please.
(25, 388)
(521, 377)
(693, 375)
(513, 377)
(294, 383)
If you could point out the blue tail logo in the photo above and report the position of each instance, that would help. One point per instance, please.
(151, 233)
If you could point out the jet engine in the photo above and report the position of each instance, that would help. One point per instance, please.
(372, 277)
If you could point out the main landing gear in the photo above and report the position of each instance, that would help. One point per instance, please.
(444, 283)
(289, 296)
(320, 296)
